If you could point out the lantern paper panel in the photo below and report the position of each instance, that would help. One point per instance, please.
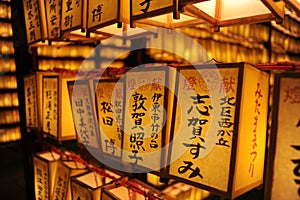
(30, 89)
(109, 103)
(66, 123)
(72, 15)
(50, 104)
(57, 120)
(65, 170)
(121, 192)
(225, 13)
(144, 8)
(45, 169)
(213, 110)
(32, 20)
(102, 13)
(83, 112)
(53, 116)
(33, 88)
(88, 186)
(147, 105)
(283, 158)
(52, 9)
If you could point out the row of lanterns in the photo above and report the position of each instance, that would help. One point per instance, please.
(64, 175)
(74, 20)
(232, 103)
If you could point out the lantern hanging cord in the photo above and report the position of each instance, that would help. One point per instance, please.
(119, 181)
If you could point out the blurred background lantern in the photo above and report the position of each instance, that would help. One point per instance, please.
(283, 172)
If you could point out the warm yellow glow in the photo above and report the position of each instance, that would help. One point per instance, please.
(283, 164)
(229, 12)
(252, 129)
(66, 123)
(233, 9)
(248, 125)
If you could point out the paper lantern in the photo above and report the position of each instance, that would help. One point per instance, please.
(34, 30)
(89, 185)
(97, 20)
(110, 105)
(54, 116)
(229, 12)
(133, 189)
(146, 127)
(45, 169)
(283, 173)
(179, 191)
(83, 112)
(219, 133)
(159, 14)
(62, 184)
(31, 105)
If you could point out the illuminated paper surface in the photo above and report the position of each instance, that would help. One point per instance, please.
(83, 113)
(30, 90)
(45, 168)
(283, 165)
(102, 13)
(144, 117)
(71, 14)
(206, 153)
(32, 20)
(66, 169)
(220, 128)
(109, 103)
(140, 7)
(50, 105)
(53, 17)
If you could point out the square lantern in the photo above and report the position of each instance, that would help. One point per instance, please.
(33, 89)
(43, 22)
(31, 104)
(131, 189)
(82, 106)
(62, 184)
(88, 186)
(34, 31)
(229, 12)
(283, 175)
(219, 134)
(45, 169)
(147, 106)
(109, 96)
(47, 92)
(164, 14)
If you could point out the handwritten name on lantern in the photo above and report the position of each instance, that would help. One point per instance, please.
(71, 14)
(144, 117)
(53, 13)
(141, 7)
(50, 105)
(101, 13)
(109, 96)
(211, 119)
(83, 112)
(195, 101)
(41, 179)
(30, 101)
(32, 19)
(284, 182)
(258, 94)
